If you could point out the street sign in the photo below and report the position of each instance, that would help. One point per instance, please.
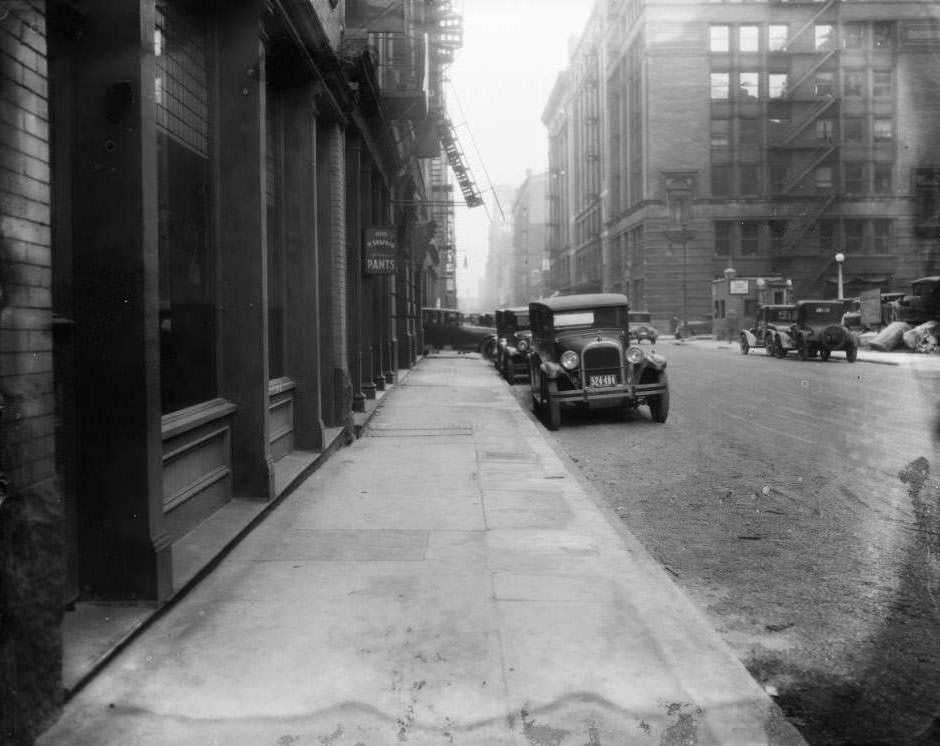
(381, 250)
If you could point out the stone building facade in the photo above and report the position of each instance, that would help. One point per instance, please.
(687, 138)
(190, 316)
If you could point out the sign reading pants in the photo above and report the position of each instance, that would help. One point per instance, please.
(379, 261)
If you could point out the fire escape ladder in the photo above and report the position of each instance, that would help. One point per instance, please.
(796, 128)
(458, 163)
(797, 229)
(800, 30)
(818, 63)
(819, 155)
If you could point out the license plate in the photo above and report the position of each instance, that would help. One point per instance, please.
(610, 380)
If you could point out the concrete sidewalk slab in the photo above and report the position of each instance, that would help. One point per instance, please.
(447, 578)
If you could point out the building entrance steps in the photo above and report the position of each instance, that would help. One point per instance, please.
(447, 578)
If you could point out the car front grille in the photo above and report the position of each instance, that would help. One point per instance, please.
(603, 360)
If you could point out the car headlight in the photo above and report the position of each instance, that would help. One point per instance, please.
(523, 346)
(634, 355)
(569, 360)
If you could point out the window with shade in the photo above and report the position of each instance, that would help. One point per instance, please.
(185, 254)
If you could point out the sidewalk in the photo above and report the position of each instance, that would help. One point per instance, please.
(448, 578)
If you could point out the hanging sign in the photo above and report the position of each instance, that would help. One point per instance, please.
(381, 249)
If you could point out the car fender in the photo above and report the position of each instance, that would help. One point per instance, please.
(784, 338)
(550, 370)
(655, 361)
(750, 337)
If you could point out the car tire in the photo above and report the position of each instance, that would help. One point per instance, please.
(745, 347)
(824, 353)
(779, 350)
(851, 354)
(769, 344)
(659, 405)
(802, 349)
(551, 407)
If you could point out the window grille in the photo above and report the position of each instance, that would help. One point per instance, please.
(181, 86)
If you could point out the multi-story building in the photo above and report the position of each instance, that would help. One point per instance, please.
(495, 285)
(764, 136)
(529, 225)
(213, 250)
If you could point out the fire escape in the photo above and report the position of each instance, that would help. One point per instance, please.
(809, 139)
(458, 163)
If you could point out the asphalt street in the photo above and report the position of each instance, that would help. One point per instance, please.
(797, 503)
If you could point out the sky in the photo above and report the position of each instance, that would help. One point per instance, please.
(499, 84)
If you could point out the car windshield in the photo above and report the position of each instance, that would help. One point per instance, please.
(522, 322)
(639, 317)
(822, 312)
(606, 318)
(775, 315)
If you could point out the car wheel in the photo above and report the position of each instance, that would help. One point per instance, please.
(851, 354)
(802, 349)
(779, 350)
(769, 344)
(551, 407)
(745, 347)
(659, 405)
(824, 353)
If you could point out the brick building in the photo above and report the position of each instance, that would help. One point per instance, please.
(529, 222)
(190, 312)
(686, 138)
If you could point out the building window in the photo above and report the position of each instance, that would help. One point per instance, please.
(720, 133)
(777, 35)
(853, 35)
(854, 175)
(827, 235)
(777, 85)
(750, 238)
(854, 129)
(823, 85)
(750, 178)
(854, 236)
(823, 178)
(186, 267)
(749, 131)
(824, 129)
(720, 85)
(881, 84)
(823, 37)
(723, 238)
(721, 180)
(883, 128)
(748, 85)
(778, 232)
(881, 236)
(778, 177)
(855, 83)
(719, 38)
(749, 39)
(883, 180)
(883, 35)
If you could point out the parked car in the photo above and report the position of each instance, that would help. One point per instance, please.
(923, 303)
(641, 326)
(513, 342)
(771, 330)
(818, 329)
(449, 328)
(694, 328)
(581, 356)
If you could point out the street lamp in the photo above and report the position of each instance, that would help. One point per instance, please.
(840, 258)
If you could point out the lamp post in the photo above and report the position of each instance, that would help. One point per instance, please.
(840, 258)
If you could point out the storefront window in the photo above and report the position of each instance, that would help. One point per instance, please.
(186, 277)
